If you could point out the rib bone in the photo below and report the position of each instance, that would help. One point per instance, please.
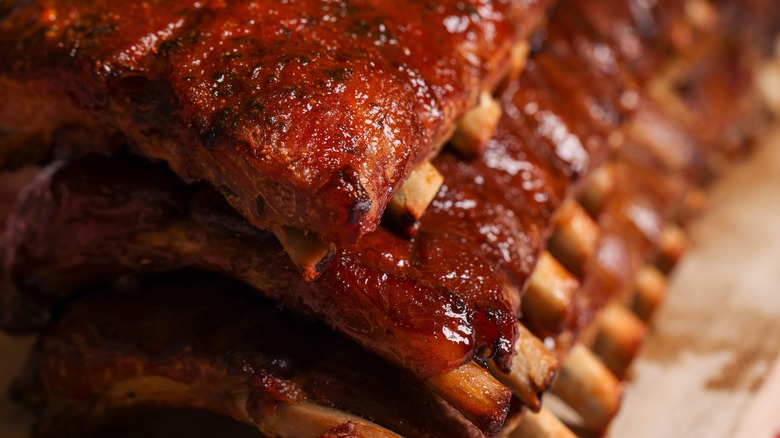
(598, 185)
(671, 247)
(477, 126)
(412, 199)
(574, 238)
(589, 388)
(541, 424)
(308, 252)
(533, 368)
(472, 391)
(649, 292)
(517, 60)
(620, 335)
(307, 419)
(548, 298)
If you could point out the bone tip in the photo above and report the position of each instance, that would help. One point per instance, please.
(413, 198)
(308, 252)
(672, 245)
(476, 128)
(541, 425)
(650, 292)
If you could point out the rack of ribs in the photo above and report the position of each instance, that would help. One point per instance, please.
(307, 116)
(575, 158)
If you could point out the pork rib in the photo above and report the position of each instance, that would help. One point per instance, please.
(304, 114)
(195, 341)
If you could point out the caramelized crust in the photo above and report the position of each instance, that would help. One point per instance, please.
(304, 114)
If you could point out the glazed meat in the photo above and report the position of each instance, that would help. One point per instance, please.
(307, 115)
(552, 205)
(201, 342)
(159, 234)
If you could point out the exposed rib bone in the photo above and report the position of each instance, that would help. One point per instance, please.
(533, 369)
(598, 185)
(309, 254)
(619, 337)
(649, 292)
(574, 238)
(477, 126)
(472, 391)
(588, 387)
(517, 60)
(308, 419)
(701, 14)
(541, 424)
(548, 299)
(412, 199)
(671, 247)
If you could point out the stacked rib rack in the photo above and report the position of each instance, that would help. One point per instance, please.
(205, 229)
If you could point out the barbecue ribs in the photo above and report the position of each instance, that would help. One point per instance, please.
(202, 342)
(549, 221)
(306, 115)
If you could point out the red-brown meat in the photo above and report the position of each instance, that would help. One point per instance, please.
(304, 114)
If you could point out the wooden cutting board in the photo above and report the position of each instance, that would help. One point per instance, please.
(711, 366)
